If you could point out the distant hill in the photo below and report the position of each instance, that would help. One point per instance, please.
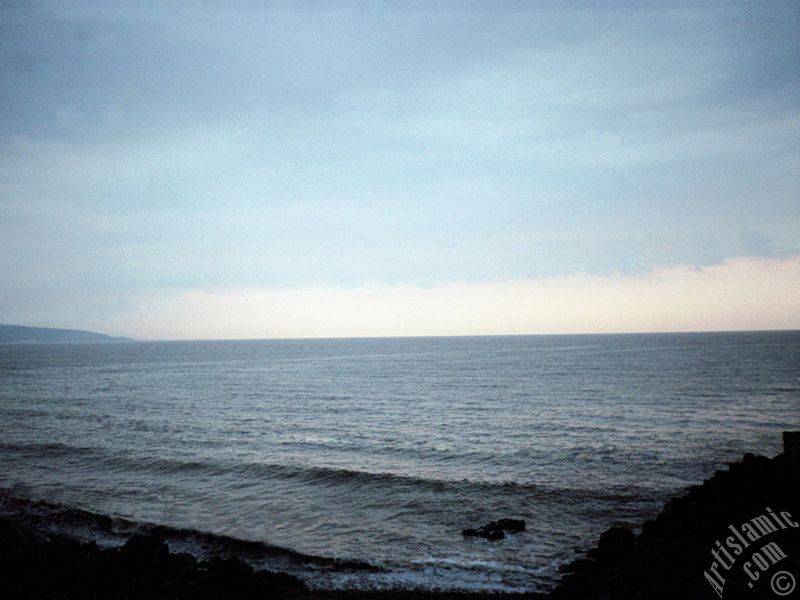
(18, 334)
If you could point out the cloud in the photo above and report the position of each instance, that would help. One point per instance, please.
(745, 293)
(147, 150)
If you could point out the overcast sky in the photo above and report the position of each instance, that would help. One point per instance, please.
(214, 169)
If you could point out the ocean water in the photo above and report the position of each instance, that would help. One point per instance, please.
(380, 451)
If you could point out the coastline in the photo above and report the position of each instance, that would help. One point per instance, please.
(672, 556)
(690, 550)
(58, 566)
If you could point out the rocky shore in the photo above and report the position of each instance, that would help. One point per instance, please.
(35, 566)
(674, 556)
(689, 552)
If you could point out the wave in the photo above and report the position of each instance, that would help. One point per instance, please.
(331, 476)
(46, 518)
(48, 449)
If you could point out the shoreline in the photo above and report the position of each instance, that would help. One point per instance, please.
(671, 557)
(35, 565)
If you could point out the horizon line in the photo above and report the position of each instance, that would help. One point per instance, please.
(124, 339)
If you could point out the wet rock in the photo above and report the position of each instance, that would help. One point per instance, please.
(616, 543)
(231, 569)
(15, 543)
(512, 525)
(145, 550)
(281, 581)
(183, 561)
(496, 530)
(494, 534)
(579, 564)
(34, 566)
(668, 558)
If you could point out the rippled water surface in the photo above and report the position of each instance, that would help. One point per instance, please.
(384, 449)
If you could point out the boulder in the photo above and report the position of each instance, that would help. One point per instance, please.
(145, 550)
(614, 544)
(496, 530)
(512, 525)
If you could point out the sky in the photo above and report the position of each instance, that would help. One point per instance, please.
(248, 170)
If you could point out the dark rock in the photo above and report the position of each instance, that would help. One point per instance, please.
(614, 544)
(15, 543)
(496, 529)
(270, 580)
(229, 568)
(62, 568)
(576, 565)
(668, 558)
(183, 561)
(145, 550)
(513, 525)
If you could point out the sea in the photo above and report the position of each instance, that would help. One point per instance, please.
(357, 463)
